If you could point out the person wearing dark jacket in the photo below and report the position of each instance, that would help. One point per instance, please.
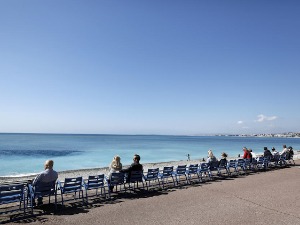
(135, 166)
(267, 153)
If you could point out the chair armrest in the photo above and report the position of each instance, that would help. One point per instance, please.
(30, 190)
(59, 185)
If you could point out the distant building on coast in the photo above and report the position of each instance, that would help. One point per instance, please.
(283, 135)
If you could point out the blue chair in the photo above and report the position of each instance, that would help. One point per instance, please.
(135, 178)
(232, 164)
(116, 179)
(95, 183)
(282, 160)
(254, 164)
(166, 174)
(213, 166)
(71, 186)
(42, 189)
(13, 193)
(241, 165)
(179, 172)
(222, 166)
(262, 163)
(193, 170)
(152, 176)
(204, 169)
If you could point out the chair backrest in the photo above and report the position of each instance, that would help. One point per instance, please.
(193, 168)
(260, 159)
(204, 166)
(181, 170)
(72, 184)
(152, 173)
(213, 165)
(241, 162)
(222, 163)
(136, 176)
(247, 162)
(254, 161)
(117, 178)
(11, 193)
(167, 171)
(276, 157)
(95, 181)
(232, 163)
(45, 186)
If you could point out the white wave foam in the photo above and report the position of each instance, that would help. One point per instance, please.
(19, 175)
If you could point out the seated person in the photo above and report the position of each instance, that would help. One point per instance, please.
(274, 152)
(284, 150)
(289, 153)
(252, 153)
(247, 154)
(114, 167)
(47, 176)
(135, 166)
(223, 160)
(211, 159)
(267, 153)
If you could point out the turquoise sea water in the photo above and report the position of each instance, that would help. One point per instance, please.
(22, 154)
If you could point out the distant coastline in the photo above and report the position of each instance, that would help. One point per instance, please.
(278, 135)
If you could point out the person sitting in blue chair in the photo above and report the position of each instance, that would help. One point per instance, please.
(47, 176)
(135, 166)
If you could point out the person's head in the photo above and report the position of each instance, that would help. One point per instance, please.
(265, 148)
(117, 159)
(224, 155)
(136, 158)
(210, 153)
(250, 150)
(245, 149)
(284, 146)
(273, 149)
(48, 164)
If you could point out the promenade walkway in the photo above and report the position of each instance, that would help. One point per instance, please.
(271, 197)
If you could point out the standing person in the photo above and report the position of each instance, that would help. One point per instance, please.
(188, 157)
(135, 166)
(115, 166)
(47, 176)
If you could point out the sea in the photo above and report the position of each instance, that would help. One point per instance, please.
(25, 154)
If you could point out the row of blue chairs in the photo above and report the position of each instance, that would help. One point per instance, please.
(24, 194)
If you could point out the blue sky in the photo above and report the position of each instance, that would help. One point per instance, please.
(149, 67)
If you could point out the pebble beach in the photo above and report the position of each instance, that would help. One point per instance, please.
(104, 170)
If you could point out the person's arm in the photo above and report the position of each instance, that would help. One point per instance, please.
(36, 179)
(126, 170)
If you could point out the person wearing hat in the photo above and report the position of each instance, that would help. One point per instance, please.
(267, 153)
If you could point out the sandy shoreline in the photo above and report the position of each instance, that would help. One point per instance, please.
(104, 170)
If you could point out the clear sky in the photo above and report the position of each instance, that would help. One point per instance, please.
(150, 67)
